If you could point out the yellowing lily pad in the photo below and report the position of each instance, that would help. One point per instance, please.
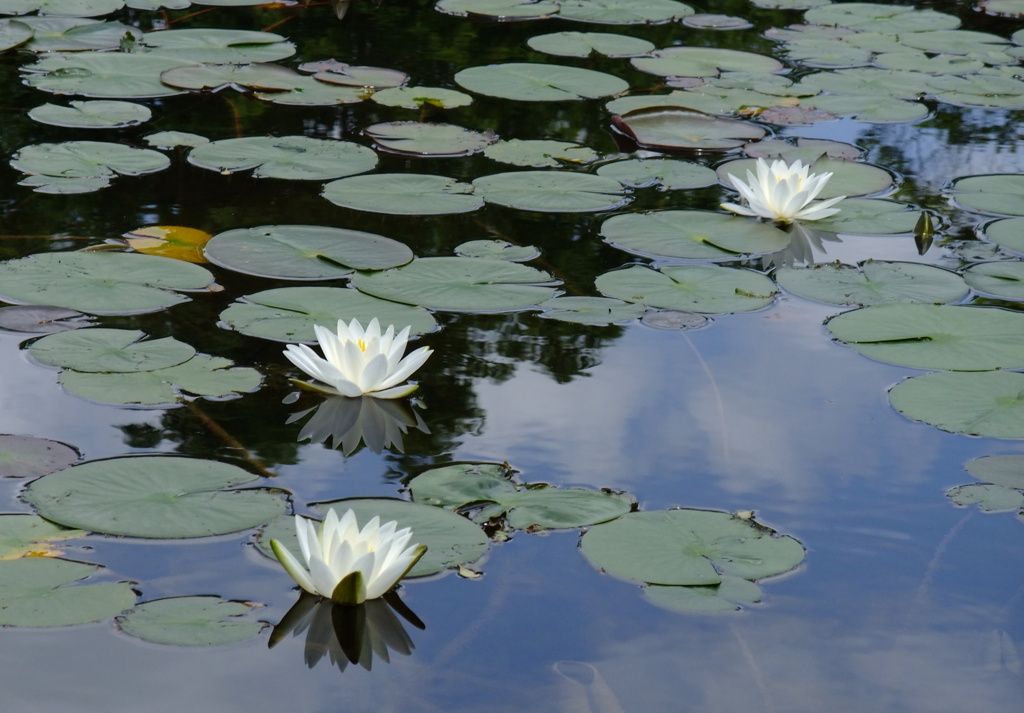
(31, 536)
(174, 241)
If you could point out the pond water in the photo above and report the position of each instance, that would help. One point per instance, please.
(904, 601)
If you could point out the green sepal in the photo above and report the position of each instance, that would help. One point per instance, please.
(351, 590)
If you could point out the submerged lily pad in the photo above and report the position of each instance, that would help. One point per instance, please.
(551, 191)
(459, 284)
(675, 129)
(30, 536)
(583, 44)
(539, 82)
(154, 496)
(27, 457)
(289, 157)
(873, 282)
(538, 153)
(935, 336)
(403, 193)
(190, 621)
(1007, 470)
(488, 485)
(420, 139)
(666, 173)
(304, 252)
(989, 403)
(692, 234)
(690, 288)
(1003, 279)
(689, 547)
(100, 282)
(287, 314)
(92, 114)
(100, 349)
(590, 310)
(40, 591)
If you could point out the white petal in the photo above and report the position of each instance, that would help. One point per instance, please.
(374, 373)
(293, 567)
(739, 209)
(413, 361)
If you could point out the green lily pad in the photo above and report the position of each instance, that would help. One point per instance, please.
(403, 194)
(849, 178)
(175, 139)
(704, 289)
(871, 216)
(499, 9)
(935, 336)
(988, 497)
(113, 75)
(703, 21)
(87, 159)
(154, 496)
(202, 375)
(879, 17)
(34, 591)
(420, 139)
(875, 109)
(41, 319)
(807, 151)
(288, 157)
(13, 33)
(307, 91)
(665, 173)
(873, 282)
(119, 350)
(675, 129)
(259, 76)
(688, 547)
(1007, 470)
(100, 282)
(1006, 8)
(304, 252)
(959, 42)
(217, 46)
(30, 535)
(500, 249)
(704, 62)
(867, 82)
(995, 193)
(1007, 233)
(92, 114)
(989, 403)
(523, 507)
(451, 539)
(826, 53)
(419, 97)
(75, 34)
(929, 64)
(979, 91)
(190, 621)
(692, 234)
(333, 72)
(725, 596)
(538, 153)
(1003, 279)
(539, 82)
(590, 310)
(551, 191)
(287, 314)
(74, 8)
(583, 44)
(623, 12)
(26, 457)
(459, 284)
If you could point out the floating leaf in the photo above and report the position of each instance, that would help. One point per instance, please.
(727, 595)
(418, 97)
(33, 593)
(583, 44)
(26, 457)
(499, 9)
(217, 46)
(304, 252)
(692, 234)
(100, 349)
(704, 62)
(534, 506)
(403, 194)
(674, 129)
(117, 75)
(873, 282)
(1005, 470)
(31, 535)
(879, 17)
(666, 173)
(154, 496)
(623, 12)
(704, 21)
(86, 159)
(1004, 279)
(76, 8)
(987, 404)
(989, 498)
(174, 241)
(551, 191)
(175, 139)
(356, 76)
(92, 114)
(590, 310)
(287, 314)
(935, 336)
(459, 284)
(866, 216)
(41, 319)
(13, 33)
(74, 34)
(289, 157)
(539, 82)
(690, 288)
(307, 91)
(100, 283)
(689, 547)
(996, 193)
(500, 249)
(538, 153)
(261, 77)
(190, 621)
(420, 139)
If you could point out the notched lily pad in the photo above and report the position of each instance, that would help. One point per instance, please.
(873, 282)
(538, 153)
(419, 97)
(704, 289)
(989, 403)
(403, 194)
(590, 310)
(288, 157)
(1003, 279)
(583, 44)
(539, 82)
(31, 536)
(692, 234)
(552, 191)
(90, 160)
(92, 114)
(41, 319)
(704, 62)
(41, 591)
(190, 621)
(421, 139)
(988, 497)
(676, 129)
(117, 350)
(665, 173)
(500, 249)
(27, 457)
(1006, 470)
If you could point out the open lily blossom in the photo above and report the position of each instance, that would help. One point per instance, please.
(783, 193)
(346, 564)
(360, 361)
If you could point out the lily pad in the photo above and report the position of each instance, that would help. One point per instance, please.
(704, 289)
(420, 139)
(552, 191)
(879, 17)
(258, 76)
(583, 44)
(703, 21)
(1003, 279)
(500, 249)
(75, 8)
(41, 319)
(704, 62)
(871, 216)
(288, 157)
(27, 457)
(692, 234)
(499, 9)
(202, 375)
(304, 252)
(539, 153)
(86, 159)
(623, 12)
(356, 76)
(689, 547)
(988, 497)
(419, 97)
(459, 284)
(873, 282)
(114, 75)
(404, 194)
(74, 34)
(190, 621)
(306, 91)
(217, 46)
(100, 283)
(989, 403)
(590, 310)
(488, 485)
(40, 591)
(174, 241)
(13, 33)
(539, 82)
(725, 596)
(175, 139)
(1007, 470)
(30, 536)
(287, 314)
(1007, 233)
(154, 496)
(935, 336)
(995, 193)
(665, 173)
(99, 349)
(674, 129)
(92, 114)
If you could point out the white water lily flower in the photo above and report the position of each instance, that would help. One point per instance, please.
(783, 193)
(346, 564)
(360, 361)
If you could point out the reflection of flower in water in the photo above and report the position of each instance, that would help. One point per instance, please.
(349, 634)
(348, 422)
(783, 193)
(804, 242)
